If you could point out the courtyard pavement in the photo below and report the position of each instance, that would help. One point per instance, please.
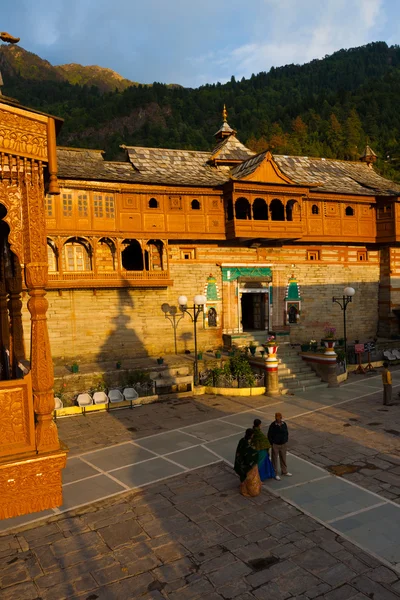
(329, 428)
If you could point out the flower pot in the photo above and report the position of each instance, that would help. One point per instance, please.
(218, 355)
(200, 355)
(262, 352)
(160, 361)
(75, 368)
(305, 347)
(314, 347)
(253, 350)
(118, 365)
(329, 344)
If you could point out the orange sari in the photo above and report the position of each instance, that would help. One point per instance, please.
(251, 486)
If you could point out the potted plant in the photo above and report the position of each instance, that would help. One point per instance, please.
(329, 340)
(271, 347)
(314, 345)
(252, 348)
(218, 354)
(160, 361)
(75, 367)
(118, 364)
(305, 347)
(200, 355)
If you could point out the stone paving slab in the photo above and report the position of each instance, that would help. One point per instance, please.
(146, 472)
(190, 537)
(117, 456)
(89, 490)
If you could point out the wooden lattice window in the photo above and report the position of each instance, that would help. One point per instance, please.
(98, 206)
(110, 208)
(313, 255)
(49, 206)
(362, 255)
(75, 257)
(67, 205)
(83, 207)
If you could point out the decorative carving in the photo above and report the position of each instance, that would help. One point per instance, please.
(21, 135)
(31, 485)
(10, 196)
(35, 224)
(16, 417)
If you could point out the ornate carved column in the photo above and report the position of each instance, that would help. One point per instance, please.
(17, 348)
(36, 279)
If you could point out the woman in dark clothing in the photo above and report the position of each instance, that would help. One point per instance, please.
(246, 466)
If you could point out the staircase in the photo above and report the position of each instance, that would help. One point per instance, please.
(295, 375)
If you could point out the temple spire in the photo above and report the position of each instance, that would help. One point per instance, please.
(225, 130)
(368, 156)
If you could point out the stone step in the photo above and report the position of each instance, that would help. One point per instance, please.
(310, 376)
(304, 383)
(282, 369)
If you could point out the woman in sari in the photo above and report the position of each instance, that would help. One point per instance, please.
(261, 443)
(246, 466)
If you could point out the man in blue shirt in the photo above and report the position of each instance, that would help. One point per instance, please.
(278, 437)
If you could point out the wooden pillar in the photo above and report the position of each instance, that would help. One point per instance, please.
(36, 270)
(17, 348)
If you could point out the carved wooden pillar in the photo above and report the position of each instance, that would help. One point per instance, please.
(17, 347)
(36, 269)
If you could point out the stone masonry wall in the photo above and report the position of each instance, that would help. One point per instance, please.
(121, 323)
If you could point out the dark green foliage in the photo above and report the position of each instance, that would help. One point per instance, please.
(329, 107)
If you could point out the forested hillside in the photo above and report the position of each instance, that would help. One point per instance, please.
(329, 107)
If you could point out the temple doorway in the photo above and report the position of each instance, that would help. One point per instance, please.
(254, 309)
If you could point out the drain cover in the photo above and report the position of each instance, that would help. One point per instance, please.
(258, 564)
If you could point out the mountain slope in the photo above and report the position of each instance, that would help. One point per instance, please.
(328, 107)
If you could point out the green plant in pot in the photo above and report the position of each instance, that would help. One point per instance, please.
(218, 354)
(118, 364)
(200, 355)
(252, 348)
(75, 367)
(160, 360)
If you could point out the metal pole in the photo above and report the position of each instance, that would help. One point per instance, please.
(344, 328)
(175, 325)
(196, 365)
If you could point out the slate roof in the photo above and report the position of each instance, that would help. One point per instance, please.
(81, 163)
(177, 167)
(225, 129)
(325, 175)
(185, 167)
(230, 149)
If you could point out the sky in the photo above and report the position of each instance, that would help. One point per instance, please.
(193, 42)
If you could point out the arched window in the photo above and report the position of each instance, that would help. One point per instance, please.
(314, 209)
(292, 211)
(154, 256)
(242, 209)
(132, 256)
(349, 211)
(105, 255)
(52, 256)
(76, 255)
(212, 317)
(260, 210)
(277, 210)
(153, 203)
(195, 205)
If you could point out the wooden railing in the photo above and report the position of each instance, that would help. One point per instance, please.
(90, 279)
(267, 229)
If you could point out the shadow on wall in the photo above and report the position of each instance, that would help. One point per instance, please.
(122, 342)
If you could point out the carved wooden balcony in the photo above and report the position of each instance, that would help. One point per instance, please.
(91, 279)
(266, 229)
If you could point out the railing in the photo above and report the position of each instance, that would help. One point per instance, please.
(91, 279)
(264, 229)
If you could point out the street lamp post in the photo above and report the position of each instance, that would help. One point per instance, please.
(198, 307)
(170, 314)
(343, 301)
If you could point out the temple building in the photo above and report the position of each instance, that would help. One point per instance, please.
(268, 239)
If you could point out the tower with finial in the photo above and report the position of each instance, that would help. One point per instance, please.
(368, 156)
(225, 130)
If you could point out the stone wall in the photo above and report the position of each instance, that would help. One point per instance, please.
(115, 324)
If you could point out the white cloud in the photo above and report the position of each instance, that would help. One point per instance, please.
(289, 31)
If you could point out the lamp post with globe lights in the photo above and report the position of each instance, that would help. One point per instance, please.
(198, 307)
(343, 301)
